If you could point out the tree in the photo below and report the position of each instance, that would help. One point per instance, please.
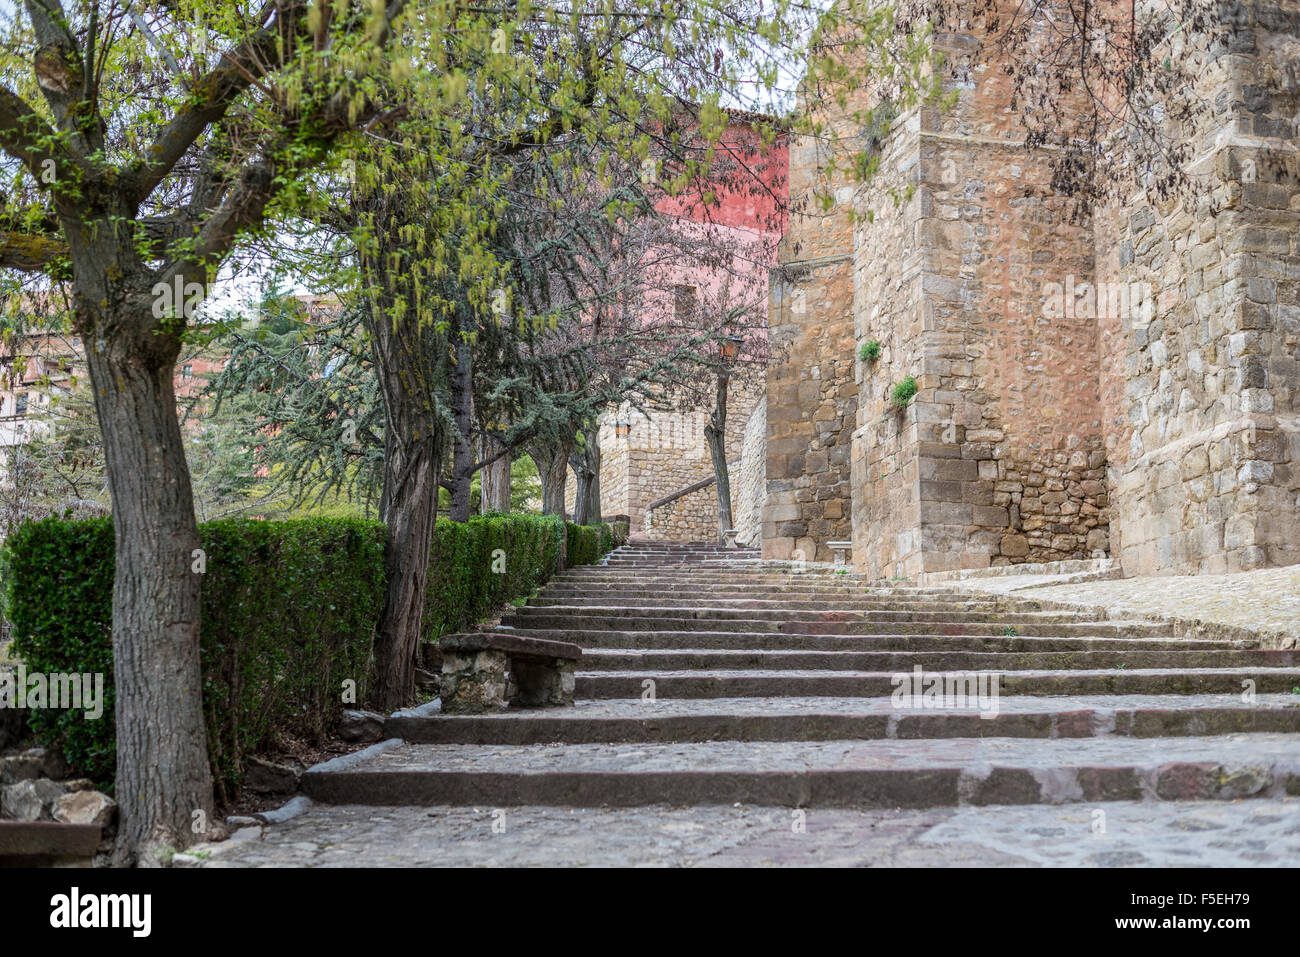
(144, 160)
(297, 388)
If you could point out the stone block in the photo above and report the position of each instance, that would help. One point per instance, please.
(989, 515)
(541, 684)
(474, 682)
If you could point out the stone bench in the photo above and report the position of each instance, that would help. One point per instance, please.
(840, 549)
(485, 671)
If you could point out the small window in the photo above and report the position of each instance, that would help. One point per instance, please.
(20, 404)
(187, 371)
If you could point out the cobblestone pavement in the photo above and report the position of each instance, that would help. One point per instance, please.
(1265, 601)
(1114, 834)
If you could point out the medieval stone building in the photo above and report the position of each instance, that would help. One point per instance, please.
(1122, 385)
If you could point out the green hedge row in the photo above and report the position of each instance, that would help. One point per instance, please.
(480, 565)
(288, 615)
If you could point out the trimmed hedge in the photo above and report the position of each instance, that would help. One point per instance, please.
(289, 611)
(288, 614)
(582, 543)
(481, 564)
(587, 544)
(58, 599)
(478, 566)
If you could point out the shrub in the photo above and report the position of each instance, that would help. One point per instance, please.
(870, 351)
(58, 594)
(903, 393)
(582, 544)
(487, 562)
(289, 615)
(481, 564)
(288, 612)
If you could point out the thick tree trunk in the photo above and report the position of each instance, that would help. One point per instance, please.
(715, 435)
(586, 469)
(412, 464)
(494, 477)
(462, 455)
(409, 510)
(553, 469)
(164, 784)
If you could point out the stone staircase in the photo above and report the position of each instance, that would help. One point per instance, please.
(712, 677)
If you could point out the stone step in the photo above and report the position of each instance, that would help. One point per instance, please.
(827, 719)
(719, 683)
(811, 585)
(874, 773)
(687, 609)
(533, 622)
(898, 641)
(739, 573)
(689, 555)
(807, 660)
(718, 562)
(764, 592)
(730, 575)
(48, 844)
(837, 603)
(774, 684)
(638, 549)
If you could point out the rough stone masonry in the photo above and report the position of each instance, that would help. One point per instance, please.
(1123, 386)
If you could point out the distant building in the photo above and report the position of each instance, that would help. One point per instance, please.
(657, 460)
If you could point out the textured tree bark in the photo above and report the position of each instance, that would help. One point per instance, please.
(553, 468)
(494, 478)
(408, 506)
(164, 784)
(462, 453)
(585, 462)
(715, 434)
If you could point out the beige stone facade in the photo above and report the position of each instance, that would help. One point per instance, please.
(1120, 385)
(665, 453)
(812, 396)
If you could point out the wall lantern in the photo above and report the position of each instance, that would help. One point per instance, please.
(622, 429)
(729, 347)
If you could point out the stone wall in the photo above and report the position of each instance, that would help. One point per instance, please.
(691, 518)
(749, 480)
(1200, 394)
(999, 458)
(663, 453)
(615, 490)
(886, 508)
(812, 395)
